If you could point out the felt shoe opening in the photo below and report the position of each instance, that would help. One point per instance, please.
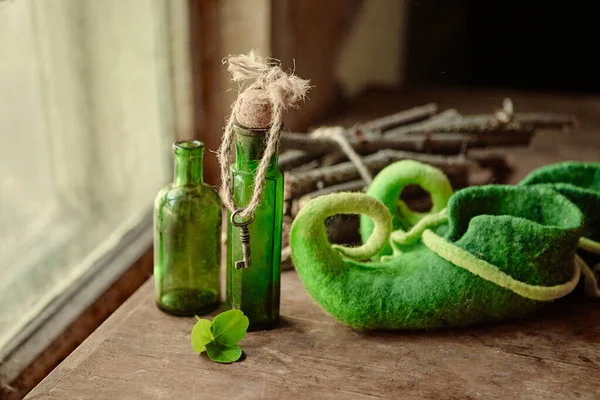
(540, 206)
(580, 183)
(583, 175)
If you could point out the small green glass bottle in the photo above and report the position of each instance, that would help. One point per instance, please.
(187, 238)
(255, 290)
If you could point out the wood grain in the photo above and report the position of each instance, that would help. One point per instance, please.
(142, 353)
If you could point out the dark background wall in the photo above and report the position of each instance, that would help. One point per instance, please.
(518, 44)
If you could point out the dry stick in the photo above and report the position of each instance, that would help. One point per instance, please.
(547, 120)
(517, 131)
(316, 163)
(351, 186)
(306, 182)
(440, 138)
(444, 118)
(400, 118)
(489, 124)
(331, 159)
(296, 158)
(296, 204)
(484, 133)
(435, 143)
(497, 163)
(292, 159)
(491, 160)
(507, 113)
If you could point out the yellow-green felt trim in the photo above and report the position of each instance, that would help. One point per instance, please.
(590, 280)
(489, 272)
(399, 237)
(589, 245)
(589, 274)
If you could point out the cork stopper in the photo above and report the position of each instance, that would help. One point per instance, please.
(255, 109)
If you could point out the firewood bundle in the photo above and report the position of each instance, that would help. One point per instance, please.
(316, 165)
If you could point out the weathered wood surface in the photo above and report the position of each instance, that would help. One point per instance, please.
(141, 353)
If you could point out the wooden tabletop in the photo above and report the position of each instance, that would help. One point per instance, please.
(142, 353)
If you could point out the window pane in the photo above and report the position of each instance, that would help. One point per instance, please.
(85, 133)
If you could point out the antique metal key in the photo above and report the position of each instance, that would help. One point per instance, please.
(244, 239)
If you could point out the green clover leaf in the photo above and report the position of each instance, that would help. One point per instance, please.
(229, 327)
(223, 354)
(201, 335)
(219, 338)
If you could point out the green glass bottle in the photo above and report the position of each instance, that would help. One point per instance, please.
(187, 238)
(255, 290)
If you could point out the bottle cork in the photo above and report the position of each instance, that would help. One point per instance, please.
(255, 109)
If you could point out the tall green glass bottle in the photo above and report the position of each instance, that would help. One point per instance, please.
(255, 290)
(187, 238)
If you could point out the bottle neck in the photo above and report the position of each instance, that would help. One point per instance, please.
(250, 147)
(188, 163)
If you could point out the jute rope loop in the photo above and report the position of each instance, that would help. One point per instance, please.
(283, 90)
(337, 133)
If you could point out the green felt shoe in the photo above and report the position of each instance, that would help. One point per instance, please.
(580, 183)
(389, 184)
(497, 252)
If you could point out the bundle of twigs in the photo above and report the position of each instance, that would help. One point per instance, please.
(315, 165)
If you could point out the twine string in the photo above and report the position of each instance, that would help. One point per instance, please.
(283, 90)
(337, 133)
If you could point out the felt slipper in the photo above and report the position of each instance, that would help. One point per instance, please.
(496, 252)
(389, 184)
(580, 183)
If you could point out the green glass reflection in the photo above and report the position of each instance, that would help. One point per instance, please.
(255, 290)
(187, 245)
